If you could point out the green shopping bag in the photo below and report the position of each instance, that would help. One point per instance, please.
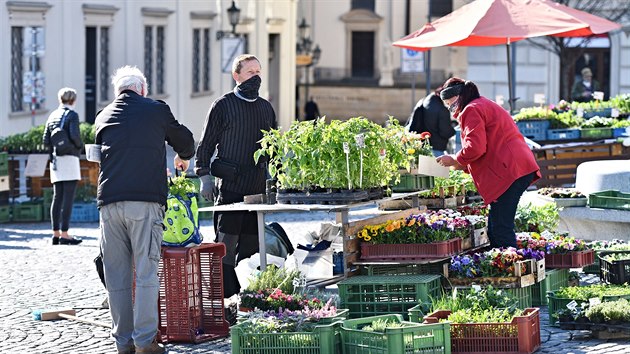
(181, 219)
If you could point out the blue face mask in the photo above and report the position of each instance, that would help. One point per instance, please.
(453, 107)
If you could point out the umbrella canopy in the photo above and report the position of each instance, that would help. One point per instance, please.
(494, 22)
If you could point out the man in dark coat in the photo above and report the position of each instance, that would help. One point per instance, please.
(430, 115)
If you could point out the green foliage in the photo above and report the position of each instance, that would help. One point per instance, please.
(490, 315)
(485, 298)
(584, 293)
(535, 113)
(591, 105)
(380, 325)
(532, 218)
(85, 193)
(566, 120)
(181, 186)
(274, 278)
(617, 257)
(88, 132)
(621, 102)
(560, 192)
(456, 179)
(621, 124)
(32, 140)
(609, 311)
(598, 122)
(311, 154)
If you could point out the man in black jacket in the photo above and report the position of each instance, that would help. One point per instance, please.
(431, 116)
(132, 191)
(233, 128)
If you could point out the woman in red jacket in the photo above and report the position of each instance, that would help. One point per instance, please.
(493, 152)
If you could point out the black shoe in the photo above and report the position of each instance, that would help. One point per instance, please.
(55, 240)
(69, 241)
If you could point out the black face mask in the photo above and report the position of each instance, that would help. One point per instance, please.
(249, 88)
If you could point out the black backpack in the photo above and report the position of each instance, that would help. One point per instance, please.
(59, 139)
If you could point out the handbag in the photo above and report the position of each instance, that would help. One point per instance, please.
(225, 169)
(59, 139)
(181, 219)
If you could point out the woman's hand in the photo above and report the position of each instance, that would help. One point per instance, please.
(448, 161)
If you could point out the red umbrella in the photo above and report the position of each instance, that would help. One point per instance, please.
(493, 22)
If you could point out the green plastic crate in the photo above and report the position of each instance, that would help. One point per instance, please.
(413, 182)
(436, 268)
(410, 338)
(4, 164)
(375, 295)
(202, 203)
(596, 133)
(554, 280)
(558, 303)
(47, 194)
(27, 212)
(324, 339)
(610, 199)
(5, 213)
(417, 313)
(46, 211)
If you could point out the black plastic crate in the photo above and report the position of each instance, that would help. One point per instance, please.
(615, 272)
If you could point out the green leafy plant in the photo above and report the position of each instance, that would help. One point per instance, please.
(609, 311)
(274, 278)
(181, 186)
(621, 102)
(598, 122)
(583, 293)
(560, 192)
(532, 218)
(624, 123)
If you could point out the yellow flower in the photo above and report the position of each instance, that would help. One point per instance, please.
(389, 228)
(412, 222)
(367, 238)
(411, 151)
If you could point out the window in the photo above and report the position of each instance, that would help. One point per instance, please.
(201, 60)
(441, 8)
(104, 67)
(362, 4)
(362, 54)
(27, 77)
(154, 62)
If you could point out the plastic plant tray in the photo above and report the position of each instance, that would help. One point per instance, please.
(610, 199)
(576, 259)
(614, 272)
(386, 294)
(323, 339)
(520, 336)
(409, 338)
(411, 251)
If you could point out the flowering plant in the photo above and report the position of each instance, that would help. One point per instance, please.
(473, 209)
(428, 227)
(497, 262)
(286, 320)
(416, 145)
(550, 243)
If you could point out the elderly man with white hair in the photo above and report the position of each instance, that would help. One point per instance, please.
(132, 191)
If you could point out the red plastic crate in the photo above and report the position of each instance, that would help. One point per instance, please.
(191, 294)
(386, 252)
(521, 336)
(576, 259)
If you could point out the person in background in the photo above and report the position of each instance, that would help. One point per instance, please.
(311, 110)
(431, 116)
(232, 130)
(65, 171)
(582, 91)
(132, 190)
(494, 153)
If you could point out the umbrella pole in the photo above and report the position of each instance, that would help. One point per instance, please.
(509, 69)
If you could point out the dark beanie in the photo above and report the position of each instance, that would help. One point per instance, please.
(451, 91)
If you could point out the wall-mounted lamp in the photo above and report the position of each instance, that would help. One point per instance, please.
(234, 14)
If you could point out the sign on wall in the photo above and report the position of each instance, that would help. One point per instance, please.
(411, 61)
(231, 47)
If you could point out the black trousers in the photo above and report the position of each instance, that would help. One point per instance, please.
(61, 207)
(503, 211)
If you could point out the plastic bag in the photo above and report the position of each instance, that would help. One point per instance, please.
(181, 219)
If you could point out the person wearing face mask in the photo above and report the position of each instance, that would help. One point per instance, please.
(231, 132)
(65, 171)
(431, 116)
(494, 153)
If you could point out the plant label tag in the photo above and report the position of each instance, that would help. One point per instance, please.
(382, 153)
(499, 100)
(594, 301)
(572, 305)
(580, 112)
(454, 293)
(360, 139)
(539, 98)
(614, 112)
(346, 148)
(476, 288)
(598, 95)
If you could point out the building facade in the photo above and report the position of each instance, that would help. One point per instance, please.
(47, 45)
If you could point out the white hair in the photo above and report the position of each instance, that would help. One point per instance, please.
(129, 78)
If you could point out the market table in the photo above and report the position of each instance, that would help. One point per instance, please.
(341, 211)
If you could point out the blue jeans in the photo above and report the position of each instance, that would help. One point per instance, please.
(437, 153)
(502, 212)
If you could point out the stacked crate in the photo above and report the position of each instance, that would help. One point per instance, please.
(5, 209)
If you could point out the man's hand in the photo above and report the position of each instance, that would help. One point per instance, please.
(180, 164)
(206, 187)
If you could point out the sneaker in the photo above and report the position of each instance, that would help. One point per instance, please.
(127, 350)
(55, 240)
(153, 348)
(69, 241)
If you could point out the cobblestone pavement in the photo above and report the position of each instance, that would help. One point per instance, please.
(36, 275)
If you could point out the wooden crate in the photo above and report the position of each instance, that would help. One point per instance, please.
(558, 164)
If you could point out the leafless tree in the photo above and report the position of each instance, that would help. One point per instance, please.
(613, 10)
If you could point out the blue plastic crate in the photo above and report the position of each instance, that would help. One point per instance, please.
(337, 263)
(563, 134)
(84, 212)
(604, 112)
(533, 129)
(617, 132)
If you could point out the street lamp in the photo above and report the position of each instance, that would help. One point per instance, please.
(310, 55)
(234, 15)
